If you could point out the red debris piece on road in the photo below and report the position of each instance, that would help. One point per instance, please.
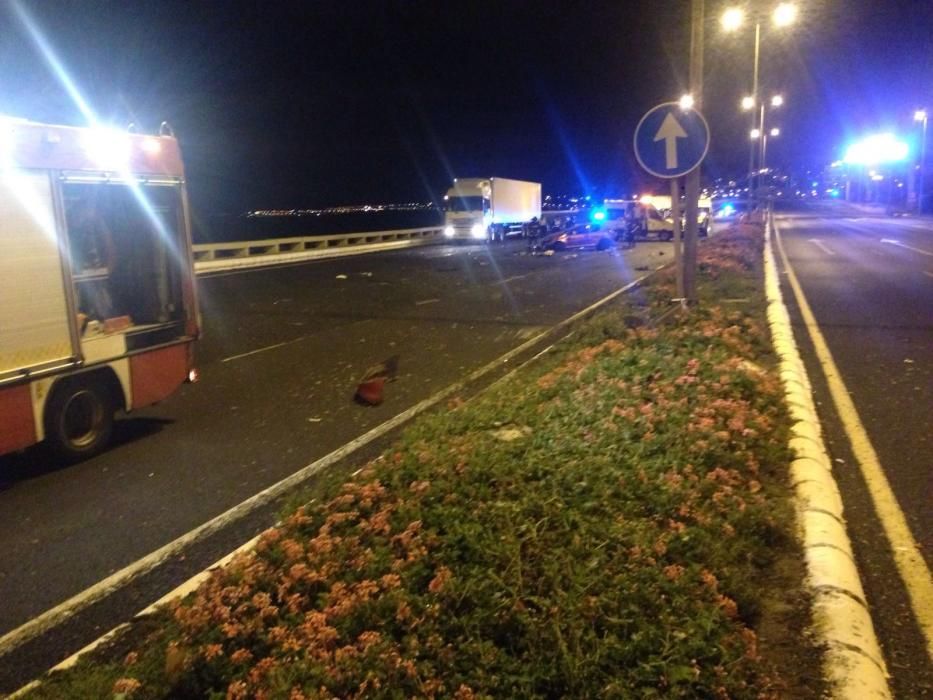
(370, 389)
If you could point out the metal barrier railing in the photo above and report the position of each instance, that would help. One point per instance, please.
(215, 257)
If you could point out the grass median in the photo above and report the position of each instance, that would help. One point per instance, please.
(611, 521)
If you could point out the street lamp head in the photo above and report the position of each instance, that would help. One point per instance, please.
(755, 133)
(920, 115)
(785, 14)
(686, 102)
(775, 131)
(733, 18)
(748, 103)
(777, 100)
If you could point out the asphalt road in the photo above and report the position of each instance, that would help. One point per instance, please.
(282, 351)
(869, 283)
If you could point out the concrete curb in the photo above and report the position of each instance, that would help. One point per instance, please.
(853, 662)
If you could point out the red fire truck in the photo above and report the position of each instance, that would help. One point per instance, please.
(97, 290)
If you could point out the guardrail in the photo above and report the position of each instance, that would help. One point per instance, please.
(218, 257)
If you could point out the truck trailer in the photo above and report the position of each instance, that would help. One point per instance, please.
(97, 289)
(489, 209)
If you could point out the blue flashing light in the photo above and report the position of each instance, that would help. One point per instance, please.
(834, 192)
(880, 148)
(598, 215)
(728, 210)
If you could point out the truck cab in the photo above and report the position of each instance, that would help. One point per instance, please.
(490, 209)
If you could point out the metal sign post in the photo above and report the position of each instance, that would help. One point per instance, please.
(692, 188)
(678, 248)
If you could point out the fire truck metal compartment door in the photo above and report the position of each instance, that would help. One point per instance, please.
(35, 325)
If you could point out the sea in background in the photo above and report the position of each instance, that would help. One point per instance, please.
(225, 228)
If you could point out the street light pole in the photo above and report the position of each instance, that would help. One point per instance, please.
(761, 149)
(764, 150)
(783, 15)
(751, 149)
(921, 116)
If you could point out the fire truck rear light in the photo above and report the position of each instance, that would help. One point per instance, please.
(110, 148)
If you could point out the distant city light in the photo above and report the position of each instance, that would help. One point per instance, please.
(755, 133)
(785, 14)
(733, 18)
(880, 148)
(920, 115)
(686, 102)
(775, 132)
(748, 103)
(777, 100)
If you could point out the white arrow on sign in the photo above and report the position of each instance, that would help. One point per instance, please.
(670, 131)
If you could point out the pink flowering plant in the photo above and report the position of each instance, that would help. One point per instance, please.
(614, 546)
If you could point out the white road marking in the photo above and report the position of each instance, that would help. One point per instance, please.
(510, 279)
(819, 244)
(68, 608)
(426, 301)
(256, 352)
(893, 241)
(910, 564)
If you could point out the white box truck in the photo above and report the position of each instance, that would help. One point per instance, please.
(490, 208)
(97, 288)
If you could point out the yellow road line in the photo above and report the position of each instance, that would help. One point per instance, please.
(910, 564)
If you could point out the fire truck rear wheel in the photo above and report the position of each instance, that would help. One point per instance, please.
(79, 418)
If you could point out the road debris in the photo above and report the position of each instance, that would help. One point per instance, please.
(369, 392)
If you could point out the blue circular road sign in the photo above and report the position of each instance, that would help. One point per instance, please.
(670, 141)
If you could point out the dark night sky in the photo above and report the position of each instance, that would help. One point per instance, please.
(297, 104)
